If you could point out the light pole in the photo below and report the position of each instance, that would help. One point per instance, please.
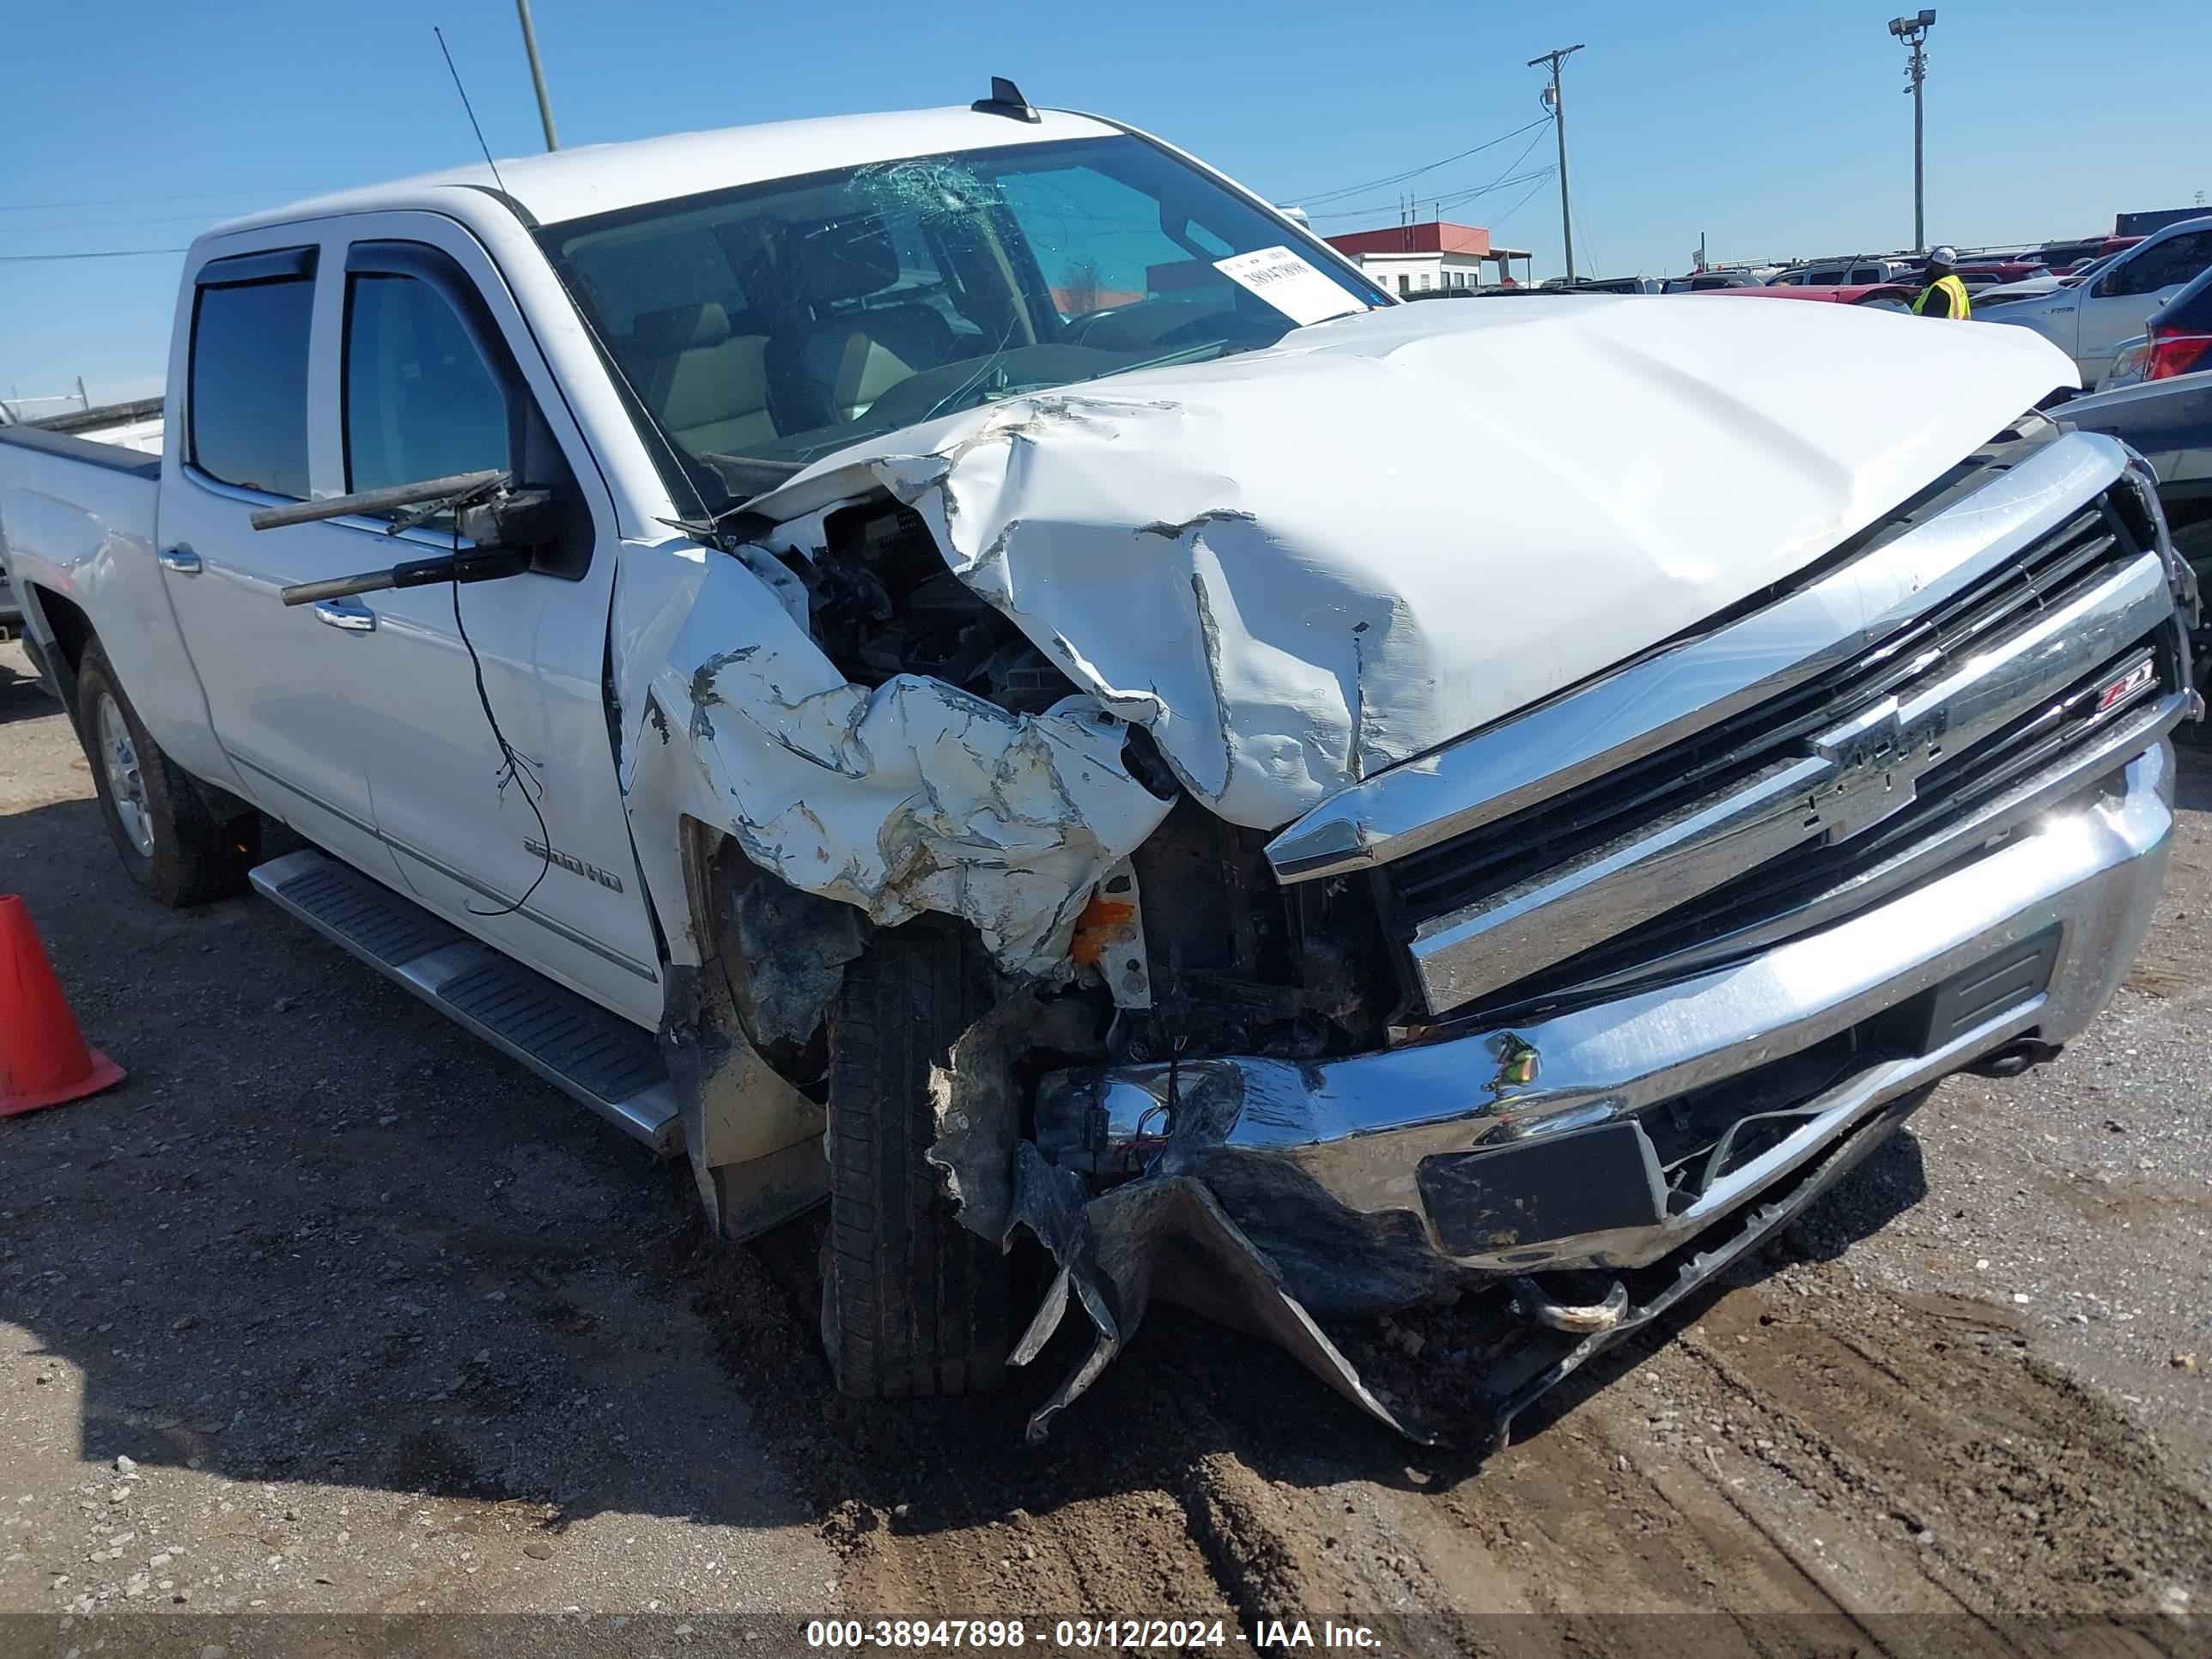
(1913, 31)
(1557, 105)
(537, 72)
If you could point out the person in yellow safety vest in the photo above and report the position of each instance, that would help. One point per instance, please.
(1945, 294)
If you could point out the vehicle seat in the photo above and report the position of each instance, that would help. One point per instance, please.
(706, 381)
(850, 357)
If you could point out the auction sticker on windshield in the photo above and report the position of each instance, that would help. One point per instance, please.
(1290, 284)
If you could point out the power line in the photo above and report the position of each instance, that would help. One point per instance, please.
(105, 254)
(140, 201)
(1450, 199)
(1317, 197)
(113, 224)
(1528, 197)
(1504, 181)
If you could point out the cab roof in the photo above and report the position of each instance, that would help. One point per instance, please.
(594, 179)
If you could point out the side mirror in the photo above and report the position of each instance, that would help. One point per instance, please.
(517, 520)
(510, 527)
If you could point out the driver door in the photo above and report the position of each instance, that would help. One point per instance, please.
(480, 709)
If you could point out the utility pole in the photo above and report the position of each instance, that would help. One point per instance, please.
(1913, 32)
(537, 73)
(1556, 102)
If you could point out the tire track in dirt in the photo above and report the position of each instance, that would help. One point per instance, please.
(1804, 1446)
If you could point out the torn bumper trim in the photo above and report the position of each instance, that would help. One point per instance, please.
(1551, 1355)
(1358, 1132)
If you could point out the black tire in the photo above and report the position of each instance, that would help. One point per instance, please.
(913, 1305)
(177, 851)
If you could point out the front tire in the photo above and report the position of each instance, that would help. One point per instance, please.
(913, 1305)
(177, 851)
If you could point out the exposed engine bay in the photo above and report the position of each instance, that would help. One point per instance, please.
(1230, 961)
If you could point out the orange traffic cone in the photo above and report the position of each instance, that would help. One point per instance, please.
(43, 1059)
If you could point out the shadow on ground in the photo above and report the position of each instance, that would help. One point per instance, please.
(22, 697)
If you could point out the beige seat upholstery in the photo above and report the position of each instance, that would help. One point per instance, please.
(708, 385)
(855, 353)
(852, 369)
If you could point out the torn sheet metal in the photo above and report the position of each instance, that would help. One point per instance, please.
(907, 797)
(1164, 1237)
(975, 1099)
(1248, 1242)
(1301, 565)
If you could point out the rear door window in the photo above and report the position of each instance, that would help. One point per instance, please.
(247, 395)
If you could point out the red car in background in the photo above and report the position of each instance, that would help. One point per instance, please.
(1886, 296)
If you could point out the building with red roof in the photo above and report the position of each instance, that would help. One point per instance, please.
(1435, 254)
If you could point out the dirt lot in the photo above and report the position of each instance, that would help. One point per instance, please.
(328, 1308)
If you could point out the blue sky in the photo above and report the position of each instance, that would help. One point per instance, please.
(1774, 129)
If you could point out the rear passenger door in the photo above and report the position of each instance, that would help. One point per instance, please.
(243, 360)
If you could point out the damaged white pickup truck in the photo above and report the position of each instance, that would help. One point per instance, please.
(960, 661)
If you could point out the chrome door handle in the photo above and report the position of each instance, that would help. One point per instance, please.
(339, 613)
(182, 559)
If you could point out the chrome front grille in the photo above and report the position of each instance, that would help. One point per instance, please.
(1502, 855)
(1918, 843)
(2001, 642)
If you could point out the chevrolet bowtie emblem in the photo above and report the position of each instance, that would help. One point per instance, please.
(1875, 759)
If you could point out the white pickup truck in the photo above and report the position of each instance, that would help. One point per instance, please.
(961, 661)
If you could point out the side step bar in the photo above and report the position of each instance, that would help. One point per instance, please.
(602, 1059)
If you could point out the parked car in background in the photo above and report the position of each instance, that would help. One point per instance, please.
(2168, 421)
(2127, 364)
(2065, 256)
(2175, 341)
(1883, 297)
(1604, 285)
(2072, 258)
(1858, 271)
(2049, 282)
(1703, 281)
(2089, 321)
(1979, 274)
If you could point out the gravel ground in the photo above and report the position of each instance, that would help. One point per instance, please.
(329, 1309)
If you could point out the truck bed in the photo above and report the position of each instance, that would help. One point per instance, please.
(77, 522)
(70, 447)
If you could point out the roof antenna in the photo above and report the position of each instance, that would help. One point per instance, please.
(1005, 100)
(469, 107)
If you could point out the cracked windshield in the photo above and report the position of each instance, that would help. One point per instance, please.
(761, 327)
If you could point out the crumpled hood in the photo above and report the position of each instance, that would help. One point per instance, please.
(1300, 565)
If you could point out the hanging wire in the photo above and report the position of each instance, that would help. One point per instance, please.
(514, 768)
(1309, 200)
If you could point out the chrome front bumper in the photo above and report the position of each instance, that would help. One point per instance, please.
(1561, 1105)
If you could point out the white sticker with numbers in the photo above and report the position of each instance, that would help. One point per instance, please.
(1290, 284)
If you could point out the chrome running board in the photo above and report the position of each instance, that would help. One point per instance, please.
(599, 1058)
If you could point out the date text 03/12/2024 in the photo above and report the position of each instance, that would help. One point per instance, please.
(1070, 1634)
